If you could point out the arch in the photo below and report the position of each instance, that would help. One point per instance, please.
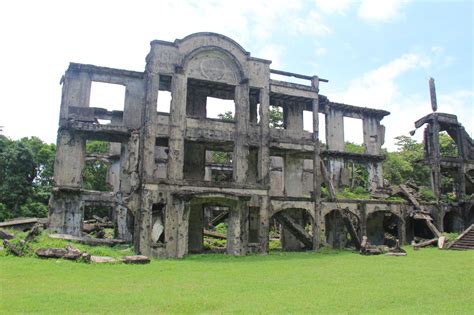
(213, 63)
(383, 227)
(293, 228)
(336, 233)
(197, 226)
(214, 35)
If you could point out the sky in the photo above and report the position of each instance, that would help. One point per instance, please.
(377, 54)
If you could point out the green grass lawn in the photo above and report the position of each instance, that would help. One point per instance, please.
(428, 281)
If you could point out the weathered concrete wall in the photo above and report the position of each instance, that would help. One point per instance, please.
(159, 168)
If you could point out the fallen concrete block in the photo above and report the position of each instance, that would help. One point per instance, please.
(51, 252)
(136, 259)
(102, 259)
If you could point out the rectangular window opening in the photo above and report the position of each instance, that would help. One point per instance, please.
(164, 102)
(108, 96)
(219, 167)
(220, 109)
(353, 134)
(276, 117)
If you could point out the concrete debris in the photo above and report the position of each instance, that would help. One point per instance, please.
(5, 235)
(137, 259)
(102, 259)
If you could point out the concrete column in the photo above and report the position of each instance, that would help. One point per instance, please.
(264, 152)
(149, 132)
(196, 103)
(135, 99)
(335, 142)
(177, 126)
(122, 224)
(375, 180)
(264, 223)
(316, 167)
(144, 221)
(293, 116)
(194, 161)
(67, 171)
(174, 206)
(372, 136)
(335, 130)
(237, 231)
(241, 149)
(195, 234)
(293, 177)
(76, 92)
(66, 213)
(363, 218)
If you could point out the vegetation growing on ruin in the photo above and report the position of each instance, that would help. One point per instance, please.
(43, 241)
(26, 170)
(324, 283)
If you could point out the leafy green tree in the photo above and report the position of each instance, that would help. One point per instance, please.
(26, 169)
(95, 171)
(275, 117)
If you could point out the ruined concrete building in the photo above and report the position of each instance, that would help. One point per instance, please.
(166, 187)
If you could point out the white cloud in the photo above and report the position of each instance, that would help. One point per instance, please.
(378, 88)
(381, 10)
(272, 52)
(334, 6)
(312, 24)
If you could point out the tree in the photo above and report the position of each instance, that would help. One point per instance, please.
(95, 171)
(275, 117)
(26, 169)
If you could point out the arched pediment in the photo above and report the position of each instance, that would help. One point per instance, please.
(212, 63)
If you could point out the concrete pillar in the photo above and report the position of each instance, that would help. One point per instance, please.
(113, 173)
(293, 116)
(135, 98)
(316, 167)
(241, 149)
(66, 213)
(375, 178)
(173, 207)
(177, 127)
(237, 231)
(264, 151)
(196, 103)
(67, 171)
(149, 132)
(76, 92)
(195, 234)
(194, 161)
(335, 130)
(144, 221)
(293, 177)
(264, 219)
(122, 225)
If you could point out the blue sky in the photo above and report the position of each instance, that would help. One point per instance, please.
(376, 54)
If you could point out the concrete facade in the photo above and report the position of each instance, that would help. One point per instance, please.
(160, 169)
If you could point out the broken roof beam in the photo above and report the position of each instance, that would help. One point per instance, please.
(296, 75)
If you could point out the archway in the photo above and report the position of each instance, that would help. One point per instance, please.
(291, 230)
(337, 234)
(383, 228)
(215, 224)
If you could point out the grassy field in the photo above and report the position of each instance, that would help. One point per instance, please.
(426, 281)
